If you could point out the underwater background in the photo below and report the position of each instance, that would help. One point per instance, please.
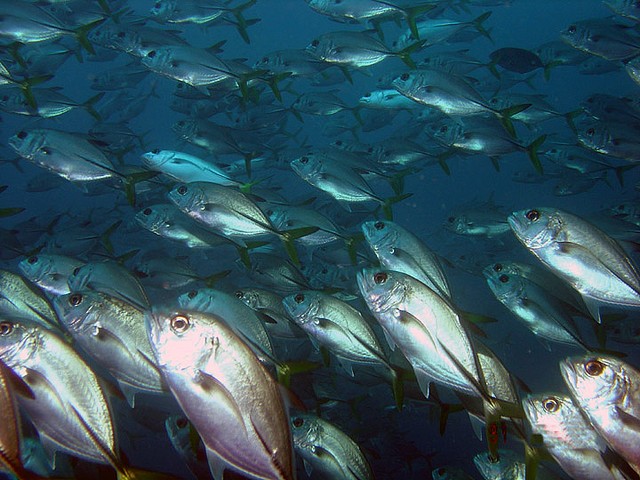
(403, 444)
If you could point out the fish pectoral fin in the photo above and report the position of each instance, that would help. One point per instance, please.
(630, 421)
(34, 379)
(211, 385)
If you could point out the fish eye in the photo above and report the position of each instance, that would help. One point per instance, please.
(182, 190)
(5, 98)
(404, 77)
(239, 294)
(451, 219)
(504, 278)
(298, 422)
(32, 260)
(550, 404)
(181, 423)
(157, 5)
(380, 278)
(180, 324)
(146, 211)
(299, 298)
(45, 150)
(370, 150)
(76, 271)
(22, 135)
(339, 142)
(151, 54)
(572, 29)
(533, 215)
(444, 128)
(591, 131)
(367, 95)
(192, 294)
(378, 225)
(593, 368)
(121, 34)
(497, 267)
(75, 299)
(155, 151)
(315, 43)
(442, 471)
(6, 328)
(304, 160)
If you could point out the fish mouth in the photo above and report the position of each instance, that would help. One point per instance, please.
(514, 222)
(568, 373)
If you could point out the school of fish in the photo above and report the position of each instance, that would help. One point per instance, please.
(260, 239)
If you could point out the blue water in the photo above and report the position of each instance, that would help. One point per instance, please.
(398, 445)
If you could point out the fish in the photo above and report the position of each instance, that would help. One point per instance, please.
(49, 271)
(19, 298)
(604, 388)
(569, 437)
(250, 433)
(113, 333)
(451, 94)
(545, 315)
(356, 49)
(517, 60)
(69, 408)
(327, 450)
(583, 255)
(399, 250)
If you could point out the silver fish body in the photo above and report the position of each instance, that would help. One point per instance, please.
(580, 253)
(607, 391)
(209, 369)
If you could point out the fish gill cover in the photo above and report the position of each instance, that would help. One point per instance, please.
(319, 239)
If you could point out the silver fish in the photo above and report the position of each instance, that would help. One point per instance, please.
(581, 254)
(209, 369)
(327, 450)
(112, 331)
(606, 390)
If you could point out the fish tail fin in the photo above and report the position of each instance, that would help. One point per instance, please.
(532, 151)
(386, 205)
(88, 106)
(570, 116)
(105, 238)
(620, 171)
(289, 236)
(346, 74)
(478, 23)
(505, 115)
(10, 211)
(241, 22)
(130, 181)
(211, 280)
(405, 54)
(412, 13)
(82, 33)
(548, 67)
(287, 369)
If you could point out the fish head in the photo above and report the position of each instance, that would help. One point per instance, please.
(180, 339)
(537, 227)
(74, 308)
(403, 82)
(28, 144)
(549, 414)
(81, 276)
(158, 58)
(447, 132)
(595, 381)
(156, 158)
(36, 267)
(492, 468)
(502, 284)
(202, 299)
(380, 235)
(306, 166)
(381, 289)
(303, 306)
(594, 135)
(250, 298)
(18, 340)
(152, 218)
(162, 10)
(188, 197)
(306, 431)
